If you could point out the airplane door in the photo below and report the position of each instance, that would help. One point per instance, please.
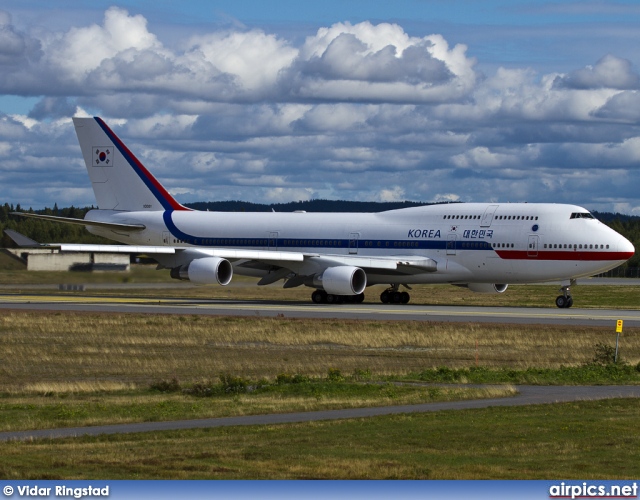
(532, 249)
(273, 240)
(353, 243)
(487, 217)
(451, 244)
(166, 237)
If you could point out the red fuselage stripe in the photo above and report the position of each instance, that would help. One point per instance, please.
(580, 255)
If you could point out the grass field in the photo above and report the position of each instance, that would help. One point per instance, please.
(42, 347)
(586, 440)
(66, 369)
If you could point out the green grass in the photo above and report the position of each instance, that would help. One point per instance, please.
(585, 440)
(587, 374)
(212, 399)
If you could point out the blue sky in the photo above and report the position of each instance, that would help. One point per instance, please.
(366, 100)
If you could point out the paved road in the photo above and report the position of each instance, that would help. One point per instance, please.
(521, 315)
(527, 395)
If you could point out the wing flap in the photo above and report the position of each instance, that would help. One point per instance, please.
(259, 255)
(389, 263)
(70, 247)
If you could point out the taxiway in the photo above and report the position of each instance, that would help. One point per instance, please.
(219, 307)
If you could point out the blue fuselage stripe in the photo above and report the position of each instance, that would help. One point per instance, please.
(282, 243)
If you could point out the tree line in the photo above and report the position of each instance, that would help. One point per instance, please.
(50, 232)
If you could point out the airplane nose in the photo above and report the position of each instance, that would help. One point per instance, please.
(626, 248)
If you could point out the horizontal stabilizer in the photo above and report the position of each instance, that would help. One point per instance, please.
(20, 239)
(83, 222)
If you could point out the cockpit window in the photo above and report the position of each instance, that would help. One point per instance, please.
(582, 215)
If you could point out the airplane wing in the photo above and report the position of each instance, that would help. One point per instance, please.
(269, 256)
(211, 264)
(297, 262)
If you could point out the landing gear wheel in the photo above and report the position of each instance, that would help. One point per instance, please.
(322, 297)
(564, 302)
(319, 297)
(392, 296)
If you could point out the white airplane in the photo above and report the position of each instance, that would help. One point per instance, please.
(481, 246)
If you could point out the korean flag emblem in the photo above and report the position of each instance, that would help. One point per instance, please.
(103, 156)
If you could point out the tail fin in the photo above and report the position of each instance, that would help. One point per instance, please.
(119, 180)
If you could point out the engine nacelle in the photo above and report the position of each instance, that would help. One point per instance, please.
(487, 287)
(208, 270)
(341, 280)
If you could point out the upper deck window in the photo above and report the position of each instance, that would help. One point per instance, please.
(582, 215)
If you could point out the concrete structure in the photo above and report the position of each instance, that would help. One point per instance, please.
(45, 259)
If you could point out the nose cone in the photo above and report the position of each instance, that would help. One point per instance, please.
(626, 248)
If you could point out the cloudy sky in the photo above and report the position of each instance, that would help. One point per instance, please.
(276, 101)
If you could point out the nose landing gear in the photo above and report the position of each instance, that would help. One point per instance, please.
(565, 300)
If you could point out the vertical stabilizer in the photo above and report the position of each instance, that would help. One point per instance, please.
(119, 180)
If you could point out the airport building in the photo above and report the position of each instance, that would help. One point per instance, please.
(50, 259)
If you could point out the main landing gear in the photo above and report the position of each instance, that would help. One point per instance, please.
(392, 296)
(322, 297)
(565, 300)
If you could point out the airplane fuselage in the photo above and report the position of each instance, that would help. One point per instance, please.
(469, 242)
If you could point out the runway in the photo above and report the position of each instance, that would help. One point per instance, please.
(527, 395)
(220, 307)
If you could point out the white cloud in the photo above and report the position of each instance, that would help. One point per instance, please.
(394, 194)
(609, 72)
(253, 58)
(82, 50)
(380, 63)
(354, 111)
(483, 157)
(285, 195)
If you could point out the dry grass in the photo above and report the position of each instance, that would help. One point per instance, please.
(96, 348)
(77, 387)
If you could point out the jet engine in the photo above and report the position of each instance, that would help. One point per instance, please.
(208, 270)
(341, 280)
(487, 287)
